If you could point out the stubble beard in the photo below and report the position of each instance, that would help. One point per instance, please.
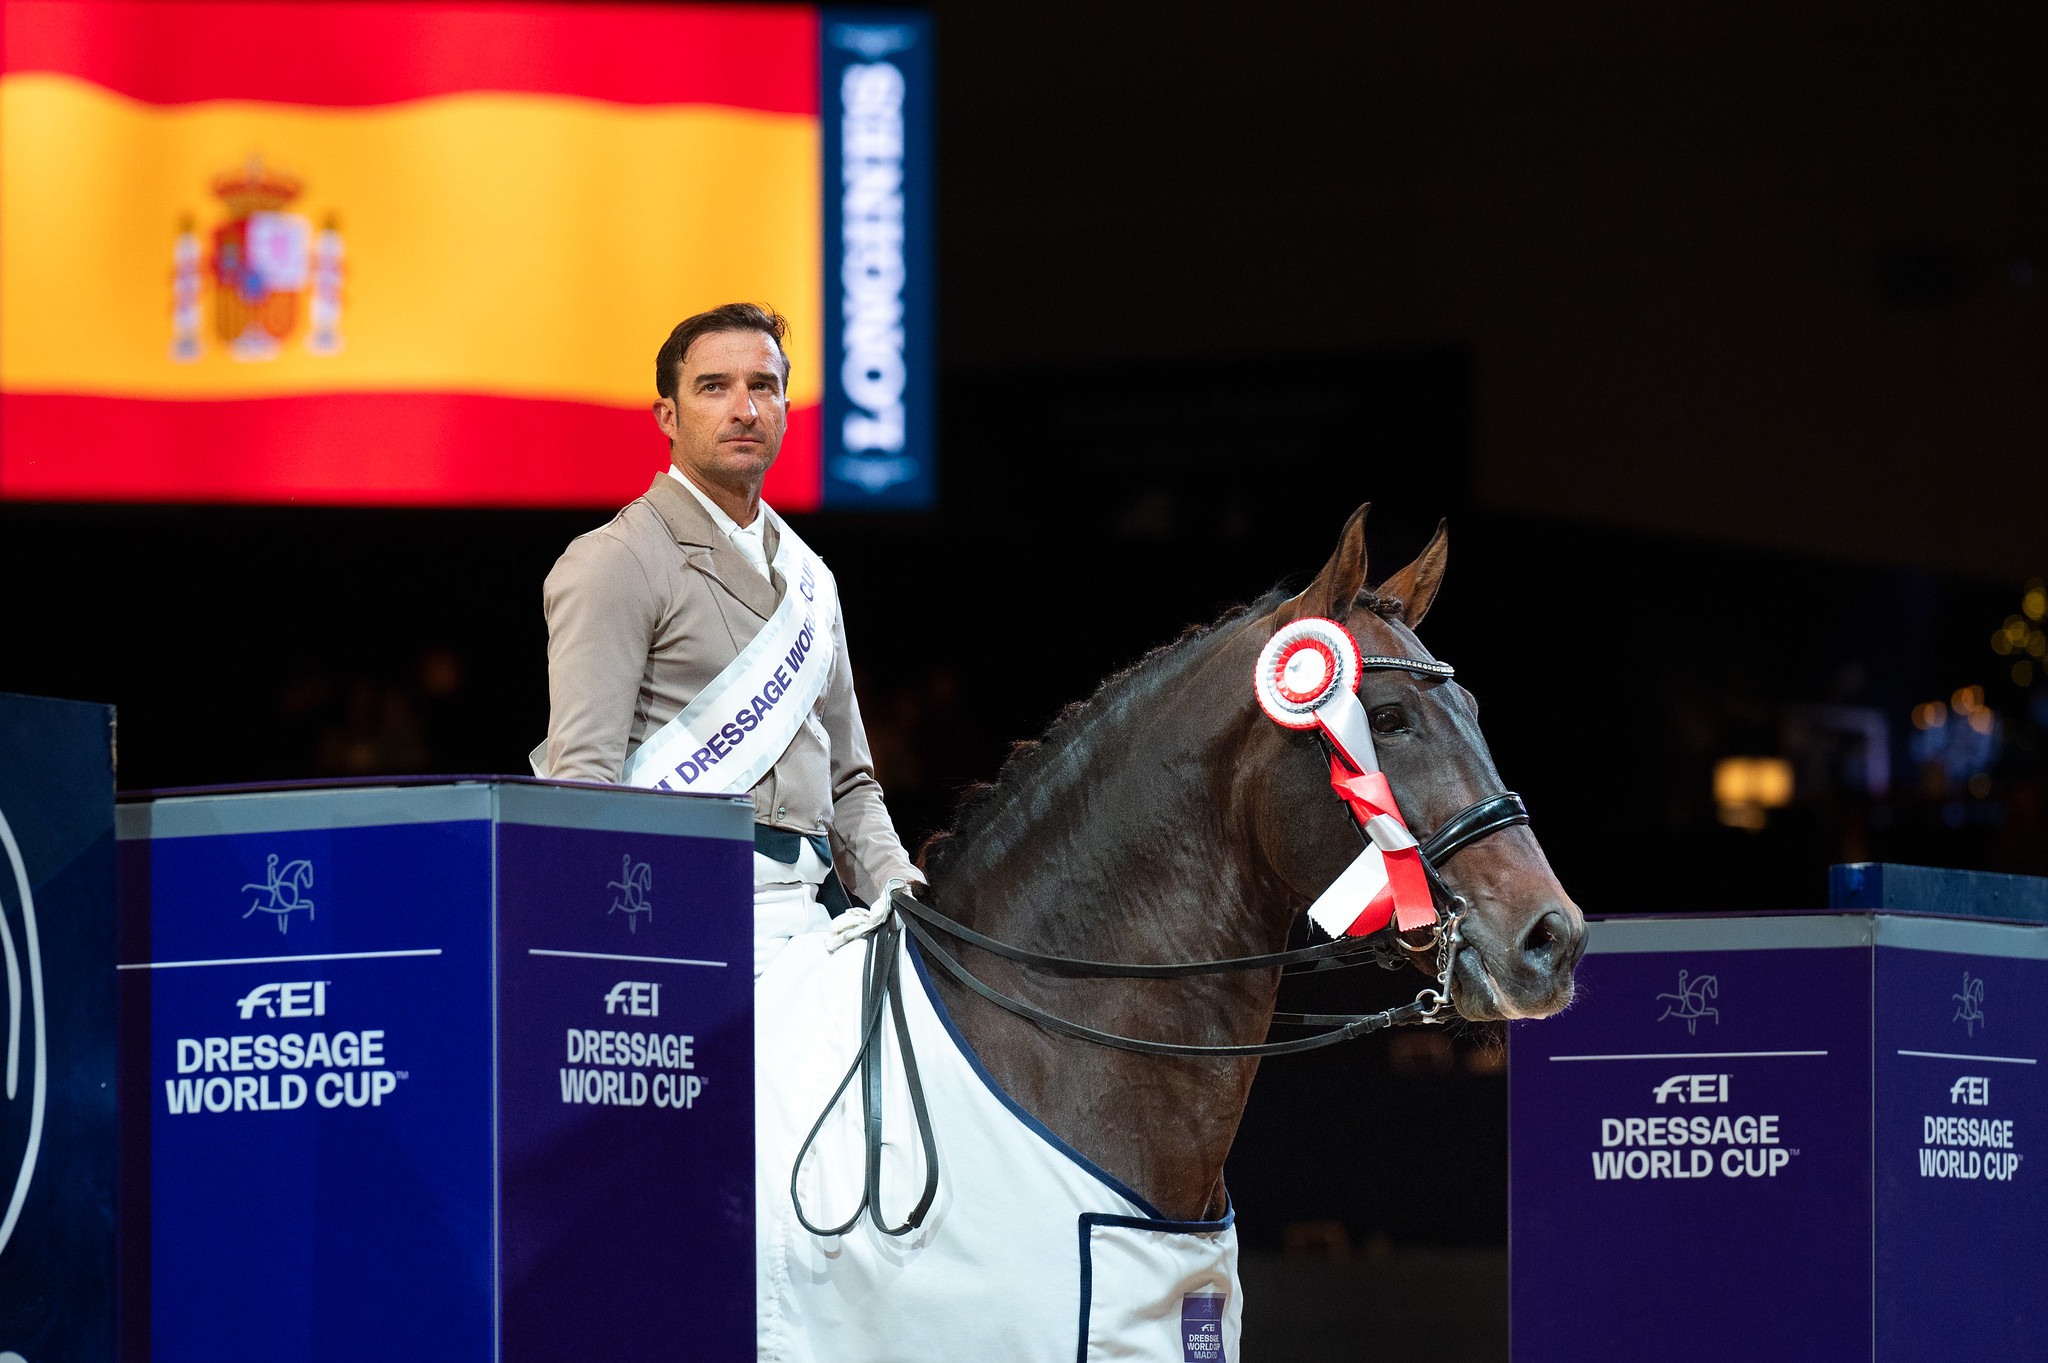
(740, 474)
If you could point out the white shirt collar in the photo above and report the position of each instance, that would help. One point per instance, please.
(718, 516)
(745, 538)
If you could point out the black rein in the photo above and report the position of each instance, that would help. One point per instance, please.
(1476, 821)
(881, 991)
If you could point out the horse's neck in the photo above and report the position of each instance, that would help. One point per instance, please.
(1126, 837)
(1127, 845)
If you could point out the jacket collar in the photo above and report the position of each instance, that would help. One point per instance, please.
(688, 523)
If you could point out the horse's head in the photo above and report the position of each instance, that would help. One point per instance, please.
(1522, 933)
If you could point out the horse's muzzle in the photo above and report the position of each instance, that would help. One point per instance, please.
(1532, 978)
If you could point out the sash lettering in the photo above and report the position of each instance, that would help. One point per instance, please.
(740, 725)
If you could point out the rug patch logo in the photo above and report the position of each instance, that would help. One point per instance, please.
(1688, 1003)
(635, 883)
(282, 892)
(1969, 1001)
(266, 269)
(1201, 1326)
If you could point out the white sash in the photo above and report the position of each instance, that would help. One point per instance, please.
(739, 726)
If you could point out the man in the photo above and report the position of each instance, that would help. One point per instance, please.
(650, 678)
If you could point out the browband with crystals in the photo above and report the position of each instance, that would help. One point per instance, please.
(1427, 666)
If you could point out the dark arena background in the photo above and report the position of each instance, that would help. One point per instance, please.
(1718, 336)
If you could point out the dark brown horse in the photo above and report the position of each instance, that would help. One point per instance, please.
(1168, 820)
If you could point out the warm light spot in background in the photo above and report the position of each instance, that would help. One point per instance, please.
(1745, 787)
(1969, 705)
(2017, 636)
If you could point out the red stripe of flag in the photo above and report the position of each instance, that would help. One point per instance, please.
(352, 52)
(354, 449)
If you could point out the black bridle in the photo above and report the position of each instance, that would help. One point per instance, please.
(881, 981)
(1383, 948)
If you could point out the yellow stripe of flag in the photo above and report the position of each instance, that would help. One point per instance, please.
(519, 245)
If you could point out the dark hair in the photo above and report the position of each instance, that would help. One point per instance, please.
(730, 317)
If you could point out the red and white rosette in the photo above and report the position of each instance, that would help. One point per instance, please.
(1307, 678)
(1302, 667)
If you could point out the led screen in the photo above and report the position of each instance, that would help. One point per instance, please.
(365, 253)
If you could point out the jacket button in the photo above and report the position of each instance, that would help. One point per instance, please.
(781, 810)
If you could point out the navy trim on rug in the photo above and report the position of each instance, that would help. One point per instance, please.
(1090, 1220)
(1044, 1133)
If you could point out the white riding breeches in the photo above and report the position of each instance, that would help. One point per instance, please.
(786, 903)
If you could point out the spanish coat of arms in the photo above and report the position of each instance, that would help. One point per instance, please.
(267, 269)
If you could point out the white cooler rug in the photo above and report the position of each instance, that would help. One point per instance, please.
(1030, 1252)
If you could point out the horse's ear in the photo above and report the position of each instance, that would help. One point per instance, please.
(1415, 586)
(1337, 586)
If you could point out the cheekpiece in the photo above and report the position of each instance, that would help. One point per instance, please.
(1301, 667)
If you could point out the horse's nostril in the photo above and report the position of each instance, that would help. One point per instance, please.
(1547, 942)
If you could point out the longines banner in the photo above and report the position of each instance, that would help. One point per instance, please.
(346, 251)
(57, 1030)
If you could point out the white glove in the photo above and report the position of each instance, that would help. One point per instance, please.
(857, 923)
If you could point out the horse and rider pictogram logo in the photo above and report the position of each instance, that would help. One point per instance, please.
(264, 264)
(636, 880)
(1969, 1004)
(283, 890)
(1688, 1003)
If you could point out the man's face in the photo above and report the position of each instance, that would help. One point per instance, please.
(726, 421)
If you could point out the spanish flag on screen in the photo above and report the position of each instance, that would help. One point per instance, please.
(358, 252)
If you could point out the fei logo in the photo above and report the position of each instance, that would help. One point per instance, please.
(304, 999)
(1969, 1004)
(1689, 1003)
(635, 998)
(636, 880)
(285, 890)
(1694, 1088)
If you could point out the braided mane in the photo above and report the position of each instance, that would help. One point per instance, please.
(1076, 725)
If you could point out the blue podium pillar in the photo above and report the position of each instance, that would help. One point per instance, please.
(1801, 1136)
(56, 1029)
(439, 1071)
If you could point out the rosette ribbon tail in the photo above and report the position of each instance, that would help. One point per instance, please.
(1405, 900)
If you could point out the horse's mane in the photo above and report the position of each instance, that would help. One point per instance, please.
(983, 802)
(1074, 727)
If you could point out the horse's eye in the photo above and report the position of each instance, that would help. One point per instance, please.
(1388, 720)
